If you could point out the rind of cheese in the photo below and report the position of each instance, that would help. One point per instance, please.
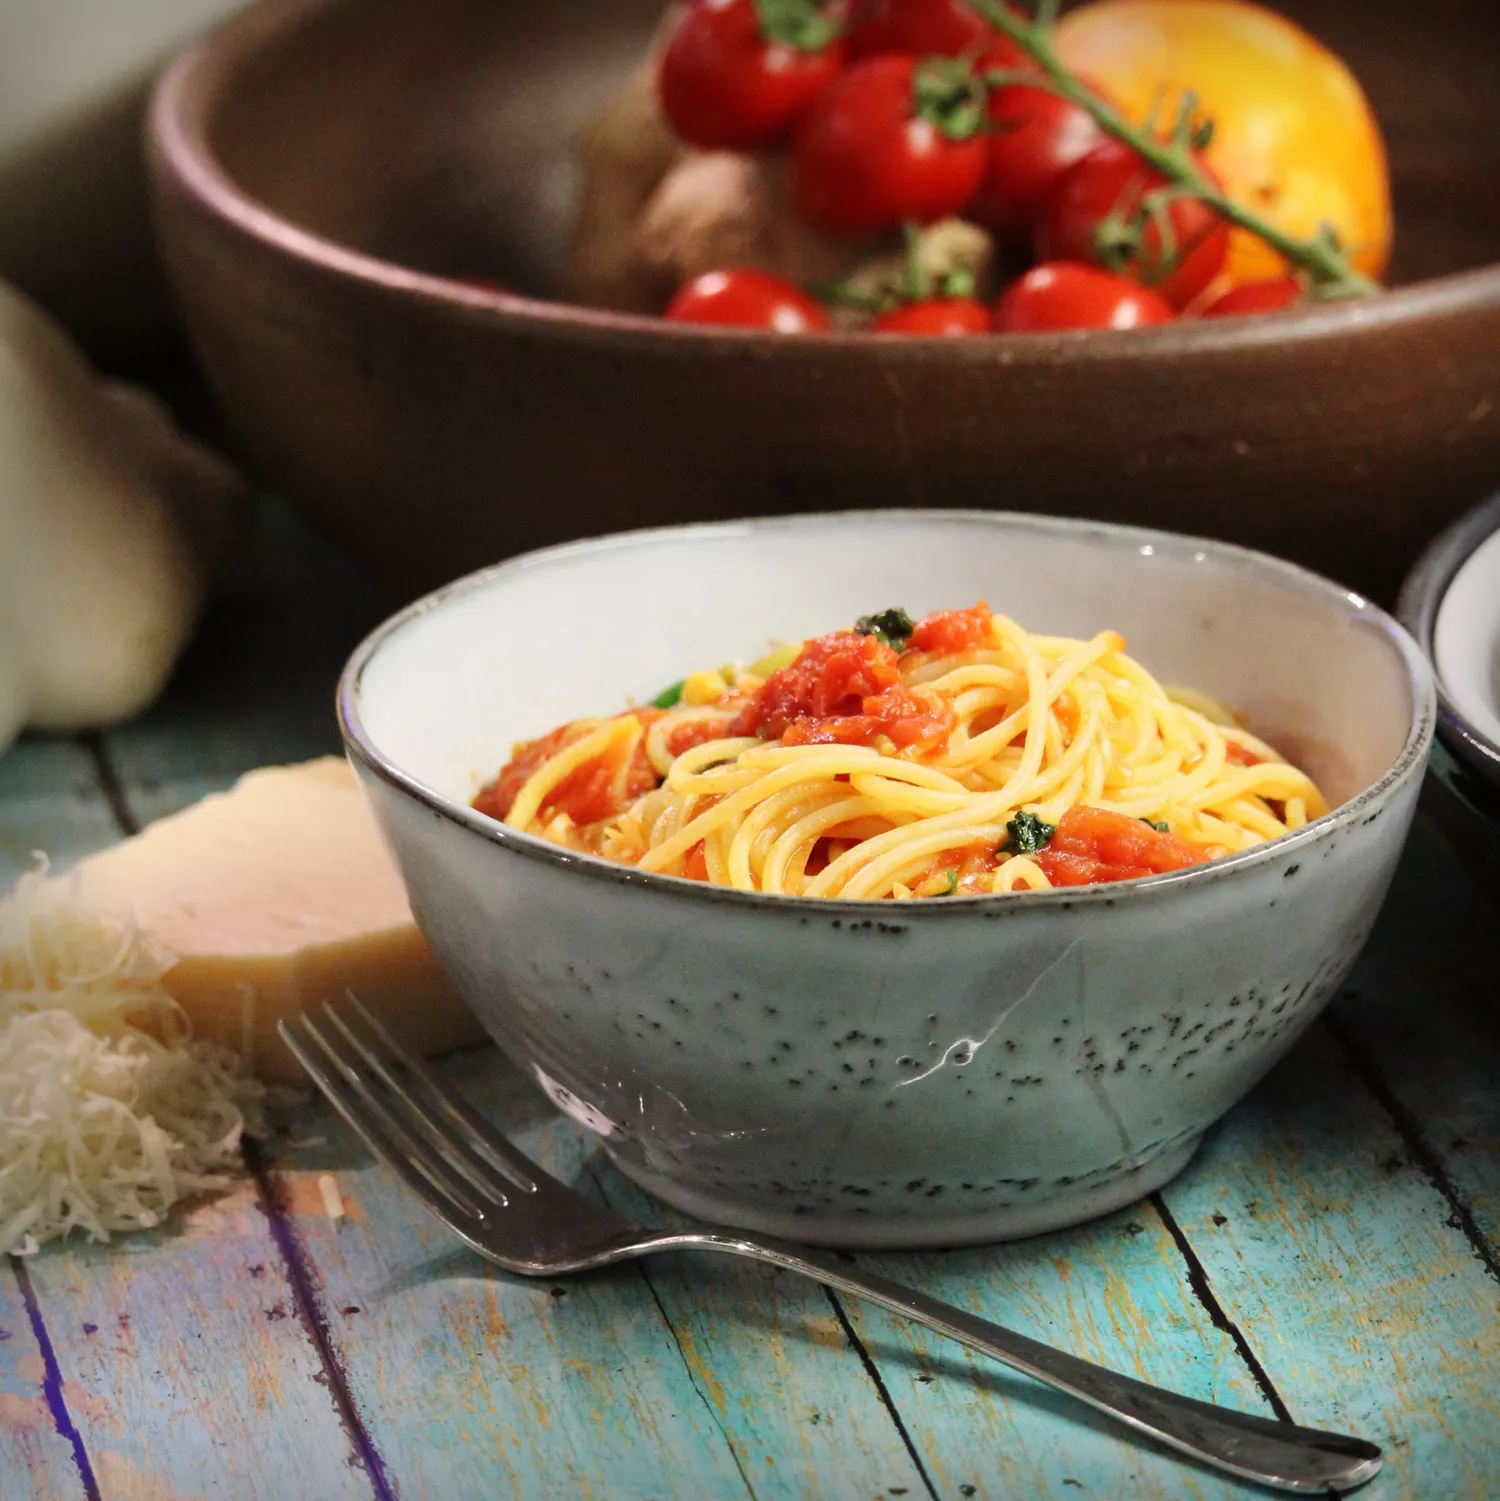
(278, 895)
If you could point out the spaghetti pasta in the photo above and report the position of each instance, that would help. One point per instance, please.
(958, 755)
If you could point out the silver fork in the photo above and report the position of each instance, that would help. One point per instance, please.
(502, 1204)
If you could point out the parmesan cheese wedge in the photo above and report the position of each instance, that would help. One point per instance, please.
(275, 895)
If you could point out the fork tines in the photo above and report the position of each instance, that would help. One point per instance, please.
(397, 1105)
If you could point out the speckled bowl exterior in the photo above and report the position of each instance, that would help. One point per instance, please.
(873, 1073)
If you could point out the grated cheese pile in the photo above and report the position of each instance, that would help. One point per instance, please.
(110, 1112)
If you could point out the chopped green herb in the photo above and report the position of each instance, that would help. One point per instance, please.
(1028, 835)
(952, 883)
(668, 698)
(1161, 827)
(892, 627)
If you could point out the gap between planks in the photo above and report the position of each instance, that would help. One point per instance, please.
(296, 1263)
(52, 1381)
(1423, 1153)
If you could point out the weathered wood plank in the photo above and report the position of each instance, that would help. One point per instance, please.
(1337, 1256)
(707, 1381)
(38, 1450)
(188, 1370)
(180, 1361)
(1422, 1016)
(1115, 1292)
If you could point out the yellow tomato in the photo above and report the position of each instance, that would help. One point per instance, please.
(1294, 137)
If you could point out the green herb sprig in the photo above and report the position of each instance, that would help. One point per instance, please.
(1026, 835)
(892, 628)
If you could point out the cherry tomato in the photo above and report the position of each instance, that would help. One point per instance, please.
(946, 316)
(890, 139)
(1256, 297)
(1066, 294)
(921, 28)
(727, 86)
(1036, 136)
(1110, 184)
(743, 298)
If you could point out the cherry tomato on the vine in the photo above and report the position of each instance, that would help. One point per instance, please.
(891, 139)
(948, 317)
(1256, 297)
(726, 85)
(921, 28)
(743, 298)
(1065, 294)
(1036, 136)
(1108, 189)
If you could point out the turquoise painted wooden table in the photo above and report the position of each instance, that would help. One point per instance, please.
(1332, 1255)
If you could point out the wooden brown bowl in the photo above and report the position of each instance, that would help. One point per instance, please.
(328, 172)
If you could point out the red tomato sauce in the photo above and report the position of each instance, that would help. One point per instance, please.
(952, 630)
(1092, 846)
(601, 788)
(842, 689)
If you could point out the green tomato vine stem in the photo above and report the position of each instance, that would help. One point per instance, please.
(1321, 257)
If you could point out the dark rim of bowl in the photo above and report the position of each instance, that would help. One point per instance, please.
(179, 137)
(1418, 606)
(1410, 760)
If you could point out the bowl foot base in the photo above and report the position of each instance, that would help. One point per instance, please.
(929, 1232)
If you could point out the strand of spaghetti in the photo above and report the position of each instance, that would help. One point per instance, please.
(1210, 708)
(1064, 767)
(930, 667)
(875, 877)
(661, 730)
(1095, 774)
(1252, 814)
(1019, 873)
(721, 763)
(1214, 830)
(903, 796)
(826, 761)
(758, 757)
(716, 860)
(1244, 739)
(1005, 681)
(752, 842)
(1274, 779)
(788, 857)
(763, 825)
(1067, 795)
(1042, 690)
(1038, 697)
(1149, 774)
(1142, 715)
(551, 772)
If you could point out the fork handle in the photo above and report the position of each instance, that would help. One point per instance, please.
(1282, 1455)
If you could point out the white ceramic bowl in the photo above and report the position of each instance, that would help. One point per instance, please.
(867, 1073)
(1451, 603)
